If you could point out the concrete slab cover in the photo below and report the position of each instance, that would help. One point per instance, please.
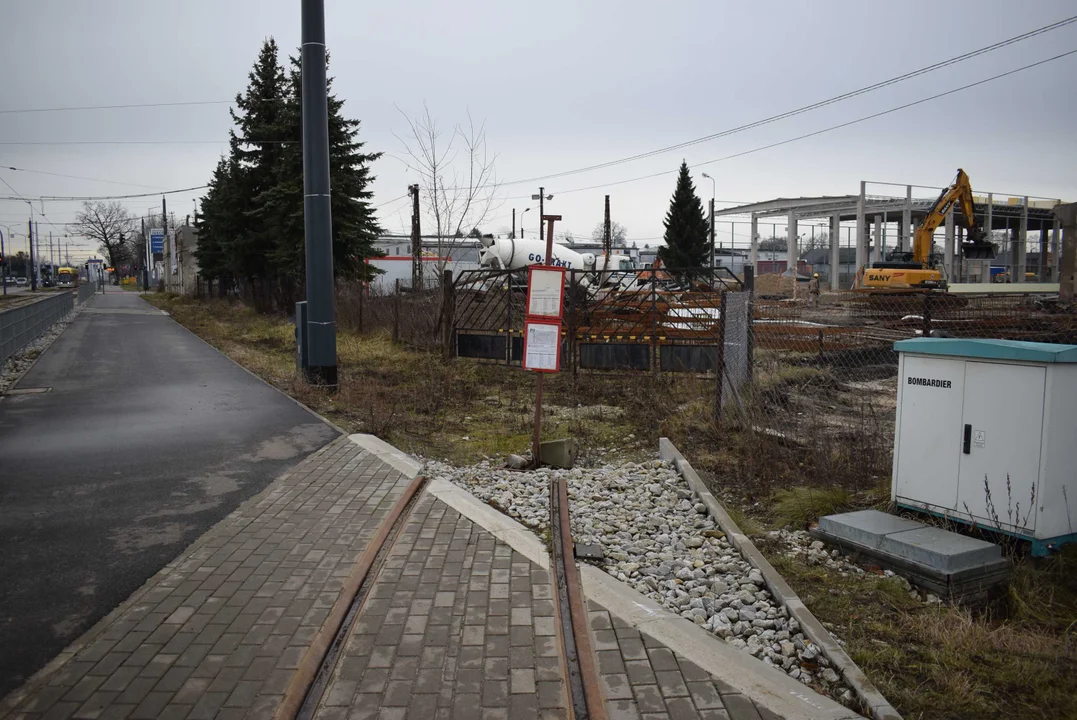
(941, 549)
(867, 527)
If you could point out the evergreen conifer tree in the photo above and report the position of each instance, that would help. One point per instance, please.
(687, 231)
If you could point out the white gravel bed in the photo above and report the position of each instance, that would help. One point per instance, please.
(14, 367)
(658, 537)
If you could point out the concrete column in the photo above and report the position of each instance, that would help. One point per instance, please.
(1042, 269)
(794, 249)
(877, 254)
(861, 230)
(1067, 272)
(905, 233)
(956, 262)
(753, 255)
(1021, 245)
(948, 247)
(835, 251)
(1055, 255)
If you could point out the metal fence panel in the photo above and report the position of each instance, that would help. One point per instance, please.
(737, 322)
(22, 325)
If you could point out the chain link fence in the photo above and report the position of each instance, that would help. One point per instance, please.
(825, 371)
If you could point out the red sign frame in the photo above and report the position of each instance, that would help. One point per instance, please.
(542, 321)
(561, 301)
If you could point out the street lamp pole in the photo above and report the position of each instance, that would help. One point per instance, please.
(713, 191)
(522, 222)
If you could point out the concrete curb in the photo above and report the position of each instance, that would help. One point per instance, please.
(772, 689)
(865, 691)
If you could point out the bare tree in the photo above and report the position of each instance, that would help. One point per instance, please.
(110, 225)
(457, 176)
(617, 232)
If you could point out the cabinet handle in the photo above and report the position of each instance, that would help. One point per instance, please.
(967, 445)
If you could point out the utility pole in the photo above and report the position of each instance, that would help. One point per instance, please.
(712, 239)
(164, 221)
(33, 275)
(148, 258)
(514, 223)
(607, 237)
(416, 241)
(317, 216)
(4, 262)
(542, 218)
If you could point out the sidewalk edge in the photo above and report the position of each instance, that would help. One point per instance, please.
(773, 690)
(865, 690)
(10, 702)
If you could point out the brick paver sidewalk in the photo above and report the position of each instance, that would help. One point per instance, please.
(458, 624)
(220, 631)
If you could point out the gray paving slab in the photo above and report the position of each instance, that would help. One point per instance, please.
(455, 625)
(221, 629)
(867, 527)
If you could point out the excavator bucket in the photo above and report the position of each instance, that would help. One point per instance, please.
(977, 248)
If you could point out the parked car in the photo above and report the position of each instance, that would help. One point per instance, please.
(20, 281)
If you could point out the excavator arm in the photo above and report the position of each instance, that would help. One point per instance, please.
(960, 191)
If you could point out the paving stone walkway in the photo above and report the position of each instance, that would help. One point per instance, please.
(219, 632)
(456, 625)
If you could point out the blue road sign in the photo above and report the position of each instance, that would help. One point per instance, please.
(157, 240)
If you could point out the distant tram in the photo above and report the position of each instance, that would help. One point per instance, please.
(67, 277)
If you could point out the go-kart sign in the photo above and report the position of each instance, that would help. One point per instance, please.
(545, 291)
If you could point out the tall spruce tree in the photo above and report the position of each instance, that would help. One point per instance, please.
(687, 232)
(218, 223)
(280, 207)
(256, 153)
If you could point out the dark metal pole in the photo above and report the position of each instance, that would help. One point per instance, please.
(607, 237)
(33, 275)
(712, 241)
(416, 241)
(317, 215)
(5, 264)
(542, 217)
(514, 223)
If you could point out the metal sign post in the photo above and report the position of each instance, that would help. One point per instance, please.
(543, 321)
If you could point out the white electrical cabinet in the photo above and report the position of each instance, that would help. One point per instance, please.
(987, 434)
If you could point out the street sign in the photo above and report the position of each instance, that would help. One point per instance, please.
(157, 240)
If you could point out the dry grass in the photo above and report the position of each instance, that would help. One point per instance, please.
(1015, 659)
(460, 411)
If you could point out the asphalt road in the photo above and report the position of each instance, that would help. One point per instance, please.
(145, 438)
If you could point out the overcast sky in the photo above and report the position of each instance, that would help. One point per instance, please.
(561, 85)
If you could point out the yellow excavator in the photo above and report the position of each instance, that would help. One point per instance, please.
(914, 271)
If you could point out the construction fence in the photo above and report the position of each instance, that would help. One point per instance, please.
(816, 372)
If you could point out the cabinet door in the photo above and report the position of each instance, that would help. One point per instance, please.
(1004, 417)
(926, 463)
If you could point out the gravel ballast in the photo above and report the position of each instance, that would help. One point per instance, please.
(659, 538)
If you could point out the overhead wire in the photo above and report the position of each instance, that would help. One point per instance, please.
(814, 106)
(80, 177)
(830, 128)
